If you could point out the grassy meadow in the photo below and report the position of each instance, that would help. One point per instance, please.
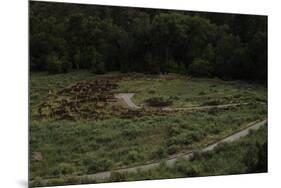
(69, 148)
(241, 157)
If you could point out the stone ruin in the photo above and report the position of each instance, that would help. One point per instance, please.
(85, 99)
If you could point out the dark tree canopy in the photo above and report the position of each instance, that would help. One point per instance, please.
(104, 38)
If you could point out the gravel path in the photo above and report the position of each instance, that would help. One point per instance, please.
(205, 107)
(127, 98)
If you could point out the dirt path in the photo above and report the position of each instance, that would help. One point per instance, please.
(170, 161)
(205, 107)
(126, 97)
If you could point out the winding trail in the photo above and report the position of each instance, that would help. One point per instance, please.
(127, 99)
(170, 161)
(205, 107)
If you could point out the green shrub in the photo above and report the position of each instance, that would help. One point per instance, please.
(66, 65)
(200, 68)
(158, 102)
(57, 65)
(212, 102)
(173, 149)
(172, 66)
(134, 156)
(151, 91)
(238, 95)
(181, 139)
(104, 138)
(198, 135)
(99, 165)
(54, 64)
(99, 68)
(256, 157)
(153, 63)
(174, 98)
(160, 153)
(98, 65)
(181, 69)
(188, 169)
(63, 169)
(202, 93)
(192, 171)
(213, 129)
(131, 132)
(174, 131)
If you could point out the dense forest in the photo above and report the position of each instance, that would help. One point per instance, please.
(65, 37)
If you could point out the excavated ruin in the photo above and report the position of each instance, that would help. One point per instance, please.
(86, 99)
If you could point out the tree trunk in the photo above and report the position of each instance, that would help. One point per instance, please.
(167, 59)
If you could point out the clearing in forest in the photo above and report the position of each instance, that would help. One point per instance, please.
(99, 132)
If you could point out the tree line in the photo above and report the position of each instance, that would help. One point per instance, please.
(64, 37)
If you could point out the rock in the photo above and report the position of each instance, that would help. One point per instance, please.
(37, 156)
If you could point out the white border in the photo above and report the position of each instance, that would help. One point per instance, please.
(14, 91)
(229, 6)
